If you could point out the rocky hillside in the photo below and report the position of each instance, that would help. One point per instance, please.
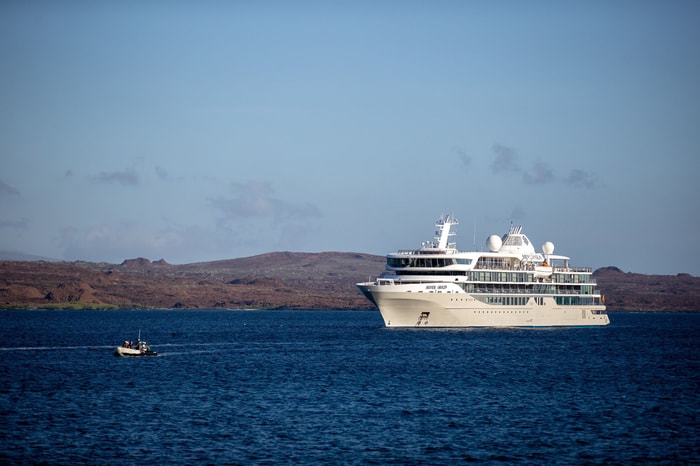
(639, 292)
(279, 280)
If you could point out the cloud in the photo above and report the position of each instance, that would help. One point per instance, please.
(251, 218)
(125, 240)
(257, 217)
(127, 177)
(581, 179)
(256, 199)
(161, 172)
(21, 224)
(463, 156)
(506, 160)
(541, 174)
(6, 190)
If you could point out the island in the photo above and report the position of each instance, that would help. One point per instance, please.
(276, 280)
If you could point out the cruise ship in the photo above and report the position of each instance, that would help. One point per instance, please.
(510, 285)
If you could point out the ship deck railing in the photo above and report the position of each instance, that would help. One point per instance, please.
(531, 288)
(431, 251)
(531, 267)
(531, 291)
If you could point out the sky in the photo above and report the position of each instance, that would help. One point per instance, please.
(199, 131)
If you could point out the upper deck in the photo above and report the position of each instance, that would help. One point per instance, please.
(512, 252)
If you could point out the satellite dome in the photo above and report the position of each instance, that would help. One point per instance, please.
(548, 247)
(494, 243)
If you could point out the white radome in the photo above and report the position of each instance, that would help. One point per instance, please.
(548, 247)
(494, 243)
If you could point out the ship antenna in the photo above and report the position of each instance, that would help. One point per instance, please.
(474, 243)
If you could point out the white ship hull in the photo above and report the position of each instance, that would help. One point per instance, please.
(510, 285)
(403, 308)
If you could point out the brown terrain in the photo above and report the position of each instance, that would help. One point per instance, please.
(278, 280)
(640, 292)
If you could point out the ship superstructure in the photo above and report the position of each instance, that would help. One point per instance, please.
(510, 285)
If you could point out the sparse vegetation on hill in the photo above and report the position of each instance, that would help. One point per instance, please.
(639, 292)
(278, 280)
(270, 281)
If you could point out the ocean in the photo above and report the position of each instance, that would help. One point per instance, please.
(336, 387)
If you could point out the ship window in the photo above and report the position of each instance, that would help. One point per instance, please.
(397, 262)
(513, 241)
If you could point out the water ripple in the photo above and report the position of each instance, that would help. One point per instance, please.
(336, 387)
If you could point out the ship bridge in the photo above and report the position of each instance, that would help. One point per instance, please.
(515, 242)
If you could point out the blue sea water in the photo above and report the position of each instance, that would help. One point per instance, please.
(335, 387)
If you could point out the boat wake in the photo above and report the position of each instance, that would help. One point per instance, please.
(200, 347)
(182, 353)
(196, 348)
(53, 348)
